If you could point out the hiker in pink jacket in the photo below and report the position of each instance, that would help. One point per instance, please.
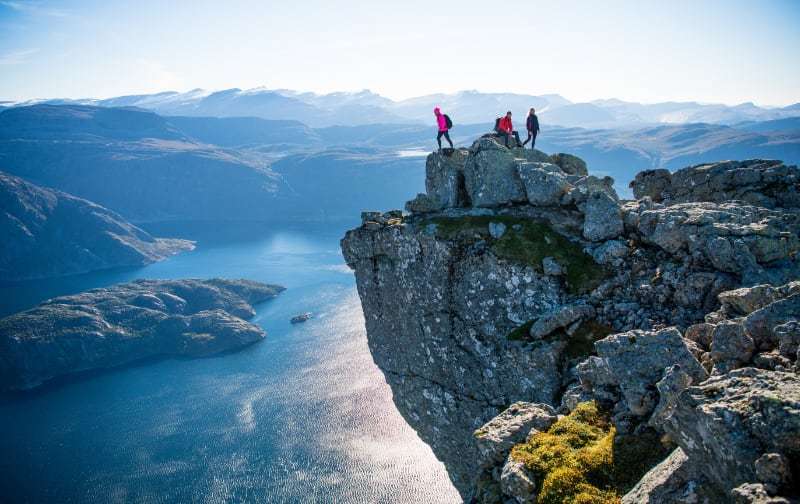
(444, 127)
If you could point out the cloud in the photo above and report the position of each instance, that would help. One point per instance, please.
(17, 56)
(34, 8)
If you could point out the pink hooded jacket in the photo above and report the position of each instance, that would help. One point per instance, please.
(440, 119)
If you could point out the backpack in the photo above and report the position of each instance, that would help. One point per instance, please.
(497, 123)
(447, 121)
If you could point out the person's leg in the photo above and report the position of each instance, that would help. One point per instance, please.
(527, 139)
(533, 141)
(439, 139)
(447, 136)
(516, 136)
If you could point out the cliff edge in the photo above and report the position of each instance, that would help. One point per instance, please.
(519, 288)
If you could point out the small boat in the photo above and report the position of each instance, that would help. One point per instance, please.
(297, 319)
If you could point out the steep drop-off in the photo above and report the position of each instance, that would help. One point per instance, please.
(519, 277)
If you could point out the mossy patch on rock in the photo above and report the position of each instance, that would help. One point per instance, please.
(582, 459)
(526, 241)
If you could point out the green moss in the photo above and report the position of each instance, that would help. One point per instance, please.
(581, 459)
(526, 241)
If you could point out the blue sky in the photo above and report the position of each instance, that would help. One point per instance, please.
(712, 51)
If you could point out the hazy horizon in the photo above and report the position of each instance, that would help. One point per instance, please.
(716, 52)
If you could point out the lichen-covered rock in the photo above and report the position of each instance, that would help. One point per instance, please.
(490, 176)
(423, 203)
(675, 480)
(652, 184)
(761, 323)
(727, 422)
(755, 493)
(670, 387)
(551, 267)
(444, 179)
(496, 438)
(788, 335)
(637, 360)
(544, 183)
(559, 319)
(603, 217)
(774, 471)
(746, 300)
(569, 164)
(517, 482)
(731, 236)
(113, 326)
(731, 346)
(765, 183)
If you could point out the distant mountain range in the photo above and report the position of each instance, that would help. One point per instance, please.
(365, 107)
(152, 168)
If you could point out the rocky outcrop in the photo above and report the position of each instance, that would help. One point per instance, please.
(50, 233)
(759, 182)
(109, 327)
(523, 278)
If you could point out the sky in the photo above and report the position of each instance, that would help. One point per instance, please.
(726, 51)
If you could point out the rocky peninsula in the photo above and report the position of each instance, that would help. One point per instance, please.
(125, 323)
(554, 343)
(50, 233)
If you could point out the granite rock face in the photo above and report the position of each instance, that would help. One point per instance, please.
(50, 233)
(108, 327)
(531, 281)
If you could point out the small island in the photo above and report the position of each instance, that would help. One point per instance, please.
(125, 323)
(302, 317)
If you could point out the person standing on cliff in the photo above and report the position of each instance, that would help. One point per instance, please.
(505, 128)
(442, 121)
(532, 125)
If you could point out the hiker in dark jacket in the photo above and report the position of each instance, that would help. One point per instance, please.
(532, 124)
(505, 128)
(441, 122)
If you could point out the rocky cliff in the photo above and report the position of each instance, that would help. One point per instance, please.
(50, 233)
(659, 326)
(109, 327)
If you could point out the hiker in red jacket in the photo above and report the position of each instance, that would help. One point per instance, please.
(505, 129)
(441, 121)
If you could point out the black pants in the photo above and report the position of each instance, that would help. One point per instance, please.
(445, 134)
(531, 138)
(506, 136)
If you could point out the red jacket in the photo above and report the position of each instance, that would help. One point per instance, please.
(505, 124)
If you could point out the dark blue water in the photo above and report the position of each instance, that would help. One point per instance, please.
(304, 416)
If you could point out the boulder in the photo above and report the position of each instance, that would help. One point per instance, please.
(611, 252)
(732, 236)
(653, 184)
(559, 318)
(603, 218)
(551, 267)
(423, 203)
(496, 438)
(727, 422)
(569, 164)
(755, 493)
(759, 182)
(731, 346)
(761, 323)
(637, 360)
(670, 387)
(490, 176)
(674, 480)
(774, 471)
(444, 179)
(517, 482)
(544, 183)
(746, 300)
(788, 335)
